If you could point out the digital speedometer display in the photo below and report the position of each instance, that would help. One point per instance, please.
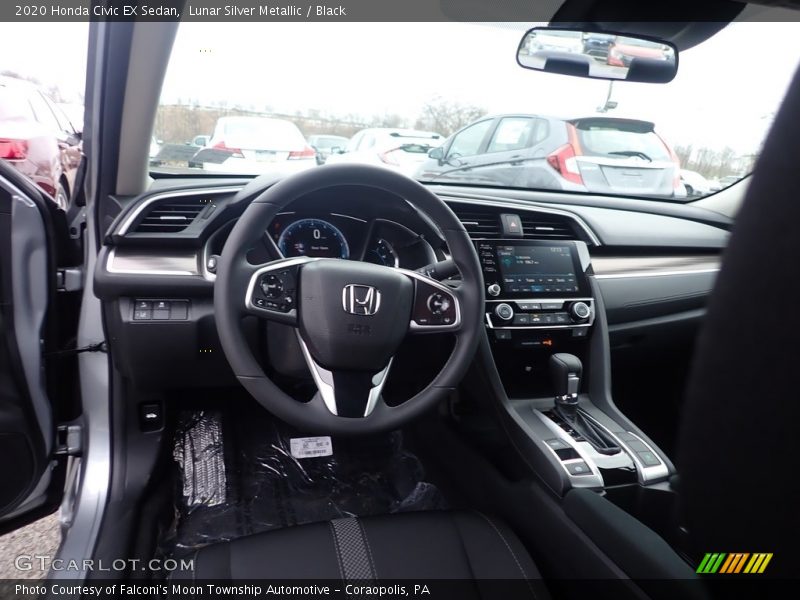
(313, 237)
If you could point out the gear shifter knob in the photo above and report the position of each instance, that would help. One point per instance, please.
(565, 369)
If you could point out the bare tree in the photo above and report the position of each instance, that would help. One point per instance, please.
(713, 163)
(446, 116)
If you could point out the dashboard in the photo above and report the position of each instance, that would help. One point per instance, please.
(159, 253)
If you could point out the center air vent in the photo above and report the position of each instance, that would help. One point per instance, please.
(478, 223)
(170, 216)
(537, 226)
(484, 222)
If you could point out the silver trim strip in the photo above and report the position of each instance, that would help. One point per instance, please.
(322, 377)
(525, 207)
(643, 472)
(656, 274)
(112, 255)
(327, 389)
(378, 380)
(611, 267)
(130, 219)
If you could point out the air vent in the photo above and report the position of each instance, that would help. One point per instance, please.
(171, 216)
(478, 223)
(537, 226)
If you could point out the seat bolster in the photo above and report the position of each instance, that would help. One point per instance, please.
(419, 546)
(494, 551)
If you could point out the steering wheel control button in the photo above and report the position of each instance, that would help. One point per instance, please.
(272, 286)
(504, 311)
(438, 303)
(578, 468)
(433, 306)
(274, 291)
(493, 290)
(580, 311)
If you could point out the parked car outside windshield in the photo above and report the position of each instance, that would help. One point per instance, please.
(498, 125)
(594, 154)
(325, 145)
(256, 145)
(401, 150)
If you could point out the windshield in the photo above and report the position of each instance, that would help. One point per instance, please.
(360, 92)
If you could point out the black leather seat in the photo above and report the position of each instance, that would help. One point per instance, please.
(419, 546)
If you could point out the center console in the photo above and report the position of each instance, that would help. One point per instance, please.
(535, 285)
(541, 315)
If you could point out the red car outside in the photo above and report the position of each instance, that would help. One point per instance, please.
(37, 139)
(621, 55)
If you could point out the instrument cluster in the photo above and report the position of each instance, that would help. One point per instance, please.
(347, 237)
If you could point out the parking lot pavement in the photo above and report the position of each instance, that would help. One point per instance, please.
(40, 538)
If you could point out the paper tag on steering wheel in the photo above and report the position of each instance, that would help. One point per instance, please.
(311, 447)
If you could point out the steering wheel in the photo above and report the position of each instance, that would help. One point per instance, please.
(350, 317)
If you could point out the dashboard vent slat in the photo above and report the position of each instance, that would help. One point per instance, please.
(484, 222)
(541, 227)
(170, 216)
(479, 223)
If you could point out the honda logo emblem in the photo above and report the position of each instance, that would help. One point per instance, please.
(360, 299)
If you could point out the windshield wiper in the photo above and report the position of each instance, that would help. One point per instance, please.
(632, 153)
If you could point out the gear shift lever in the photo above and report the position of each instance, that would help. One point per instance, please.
(566, 370)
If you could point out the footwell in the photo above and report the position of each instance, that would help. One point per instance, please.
(237, 476)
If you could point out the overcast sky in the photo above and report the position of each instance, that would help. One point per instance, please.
(725, 92)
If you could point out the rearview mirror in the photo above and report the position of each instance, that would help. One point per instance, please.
(599, 55)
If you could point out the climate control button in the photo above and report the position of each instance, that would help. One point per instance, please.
(504, 311)
(580, 311)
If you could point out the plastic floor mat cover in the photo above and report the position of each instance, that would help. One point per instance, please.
(238, 477)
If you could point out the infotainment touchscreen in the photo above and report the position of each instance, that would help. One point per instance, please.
(537, 269)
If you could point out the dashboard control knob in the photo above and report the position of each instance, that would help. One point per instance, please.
(493, 290)
(580, 311)
(272, 286)
(438, 303)
(504, 311)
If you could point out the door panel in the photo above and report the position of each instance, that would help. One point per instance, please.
(27, 288)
